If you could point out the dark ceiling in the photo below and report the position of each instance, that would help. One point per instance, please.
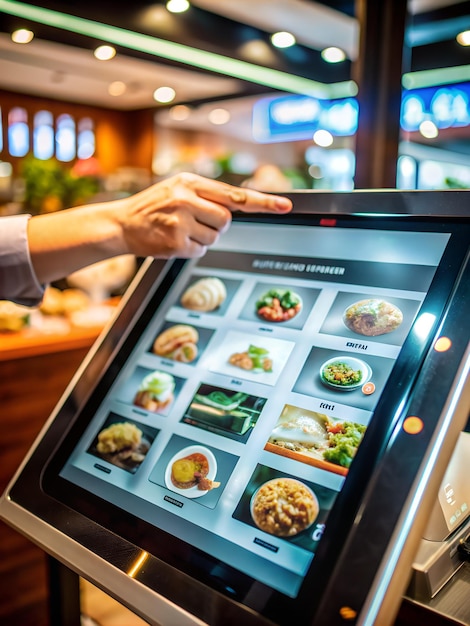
(431, 33)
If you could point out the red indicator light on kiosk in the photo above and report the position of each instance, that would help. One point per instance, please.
(328, 221)
(413, 425)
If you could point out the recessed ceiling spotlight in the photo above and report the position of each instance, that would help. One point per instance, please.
(323, 138)
(258, 51)
(117, 88)
(164, 94)
(463, 38)
(177, 6)
(105, 53)
(22, 35)
(282, 39)
(179, 112)
(219, 117)
(428, 129)
(333, 55)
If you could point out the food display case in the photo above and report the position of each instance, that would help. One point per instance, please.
(263, 431)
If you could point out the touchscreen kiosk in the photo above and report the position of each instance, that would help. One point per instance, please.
(261, 433)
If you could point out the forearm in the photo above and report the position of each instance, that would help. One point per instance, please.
(63, 242)
(180, 216)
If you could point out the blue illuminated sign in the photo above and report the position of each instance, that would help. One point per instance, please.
(291, 118)
(294, 117)
(446, 106)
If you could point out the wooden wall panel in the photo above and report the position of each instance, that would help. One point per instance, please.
(29, 390)
(123, 138)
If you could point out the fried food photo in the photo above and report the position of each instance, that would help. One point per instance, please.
(118, 437)
(122, 444)
(179, 343)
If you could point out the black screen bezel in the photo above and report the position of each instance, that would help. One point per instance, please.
(80, 513)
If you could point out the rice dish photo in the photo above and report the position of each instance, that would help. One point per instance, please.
(284, 507)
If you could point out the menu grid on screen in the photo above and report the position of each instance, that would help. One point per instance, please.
(240, 409)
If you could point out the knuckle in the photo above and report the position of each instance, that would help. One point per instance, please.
(187, 179)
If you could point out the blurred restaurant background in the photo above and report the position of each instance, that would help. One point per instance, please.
(336, 95)
(101, 99)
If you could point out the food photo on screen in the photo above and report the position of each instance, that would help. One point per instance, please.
(344, 377)
(285, 507)
(151, 390)
(123, 442)
(316, 439)
(364, 317)
(193, 470)
(181, 342)
(208, 294)
(232, 414)
(252, 357)
(345, 373)
(279, 304)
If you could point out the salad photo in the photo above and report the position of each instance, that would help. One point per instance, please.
(279, 305)
(316, 439)
(345, 373)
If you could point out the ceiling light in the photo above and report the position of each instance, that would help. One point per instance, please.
(179, 112)
(323, 138)
(333, 55)
(177, 6)
(438, 76)
(428, 129)
(104, 53)
(219, 116)
(164, 94)
(180, 53)
(259, 51)
(463, 38)
(283, 39)
(22, 35)
(117, 88)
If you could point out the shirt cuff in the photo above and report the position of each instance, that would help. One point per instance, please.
(18, 281)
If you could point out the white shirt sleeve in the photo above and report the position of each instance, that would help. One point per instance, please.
(18, 282)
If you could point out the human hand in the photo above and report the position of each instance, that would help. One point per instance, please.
(183, 215)
(178, 217)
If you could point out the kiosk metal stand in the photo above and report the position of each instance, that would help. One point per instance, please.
(64, 594)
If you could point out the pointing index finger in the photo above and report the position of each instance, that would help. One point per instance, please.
(237, 198)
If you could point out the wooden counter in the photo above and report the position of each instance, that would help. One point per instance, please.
(31, 343)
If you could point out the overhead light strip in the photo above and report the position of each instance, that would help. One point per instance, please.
(180, 53)
(440, 76)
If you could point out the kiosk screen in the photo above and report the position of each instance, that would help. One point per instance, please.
(251, 393)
